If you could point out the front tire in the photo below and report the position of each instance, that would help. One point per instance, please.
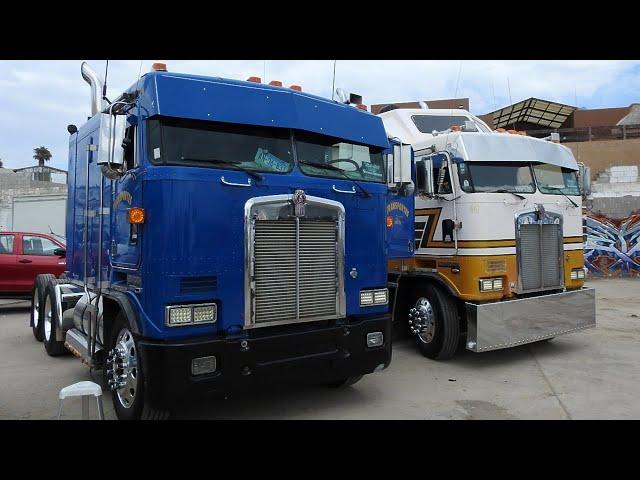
(124, 375)
(434, 318)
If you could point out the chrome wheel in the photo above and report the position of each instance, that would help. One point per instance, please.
(36, 308)
(122, 365)
(422, 320)
(47, 317)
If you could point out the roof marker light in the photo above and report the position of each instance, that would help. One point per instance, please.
(297, 88)
(159, 67)
(361, 106)
(275, 83)
(254, 79)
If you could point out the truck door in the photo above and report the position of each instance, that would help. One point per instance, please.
(126, 239)
(400, 214)
(9, 272)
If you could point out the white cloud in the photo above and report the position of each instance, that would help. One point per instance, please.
(38, 99)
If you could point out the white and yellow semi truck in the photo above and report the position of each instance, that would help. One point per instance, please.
(498, 237)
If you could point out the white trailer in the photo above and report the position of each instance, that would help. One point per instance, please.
(39, 213)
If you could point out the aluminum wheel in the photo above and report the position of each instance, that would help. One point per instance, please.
(47, 317)
(125, 368)
(36, 308)
(422, 320)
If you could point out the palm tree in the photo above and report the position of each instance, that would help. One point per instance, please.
(42, 154)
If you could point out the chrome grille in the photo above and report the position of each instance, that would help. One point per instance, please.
(540, 256)
(295, 270)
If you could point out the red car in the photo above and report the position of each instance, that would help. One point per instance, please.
(24, 255)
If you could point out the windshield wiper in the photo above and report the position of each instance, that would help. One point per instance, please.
(502, 190)
(328, 166)
(566, 196)
(217, 161)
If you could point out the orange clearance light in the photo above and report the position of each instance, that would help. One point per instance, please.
(254, 79)
(455, 128)
(136, 215)
(275, 83)
(297, 88)
(389, 221)
(159, 67)
(500, 130)
(361, 106)
(513, 132)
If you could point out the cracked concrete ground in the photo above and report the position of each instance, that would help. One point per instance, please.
(591, 374)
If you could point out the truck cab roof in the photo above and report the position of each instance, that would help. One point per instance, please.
(220, 99)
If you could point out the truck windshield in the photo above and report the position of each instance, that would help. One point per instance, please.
(212, 144)
(358, 162)
(496, 177)
(556, 180)
(439, 123)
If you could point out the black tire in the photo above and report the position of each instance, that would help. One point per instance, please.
(53, 347)
(446, 336)
(139, 408)
(37, 295)
(344, 382)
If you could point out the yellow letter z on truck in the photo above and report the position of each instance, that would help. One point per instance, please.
(498, 237)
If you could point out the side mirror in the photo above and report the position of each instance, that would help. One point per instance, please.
(60, 252)
(112, 131)
(399, 165)
(424, 176)
(584, 179)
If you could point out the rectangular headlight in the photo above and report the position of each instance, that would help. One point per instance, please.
(491, 284)
(577, 273)
(179, 315)
(206, 313)
(374, 297)
(366, 297)
(191, 314)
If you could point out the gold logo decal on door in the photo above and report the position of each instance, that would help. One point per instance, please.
(123, 195)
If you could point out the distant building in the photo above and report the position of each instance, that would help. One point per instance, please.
(20, 182)
(43, 173)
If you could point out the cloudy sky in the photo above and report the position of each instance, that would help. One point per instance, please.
(38, 99)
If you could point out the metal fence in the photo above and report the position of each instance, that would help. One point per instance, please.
(588, 134)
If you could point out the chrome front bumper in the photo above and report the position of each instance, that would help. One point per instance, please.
(491, 326)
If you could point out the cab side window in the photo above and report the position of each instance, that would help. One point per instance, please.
(6, 244)
(32, 245)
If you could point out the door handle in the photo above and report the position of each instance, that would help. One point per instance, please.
(24, 260)
(352, 191)
(225, 182)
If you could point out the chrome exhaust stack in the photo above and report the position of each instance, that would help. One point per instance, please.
(97, 84)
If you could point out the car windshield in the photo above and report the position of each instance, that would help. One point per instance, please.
(556, 180)
(358, 162)
(496, 177)
(213, 144)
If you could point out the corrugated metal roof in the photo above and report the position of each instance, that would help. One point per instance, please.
(633, 117)
(535, 111)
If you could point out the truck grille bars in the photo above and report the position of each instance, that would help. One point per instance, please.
(539, 251)
(295, 263)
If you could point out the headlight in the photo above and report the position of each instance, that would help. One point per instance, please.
(577, 274)
(191, 314)
(491, 284)
(374, 297)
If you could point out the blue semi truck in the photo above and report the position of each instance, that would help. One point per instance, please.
(223, 234)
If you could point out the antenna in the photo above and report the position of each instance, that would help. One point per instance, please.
(333, 85)
(510, 101)
(104, 86)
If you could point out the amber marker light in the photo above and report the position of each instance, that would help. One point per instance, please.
(136, 215)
